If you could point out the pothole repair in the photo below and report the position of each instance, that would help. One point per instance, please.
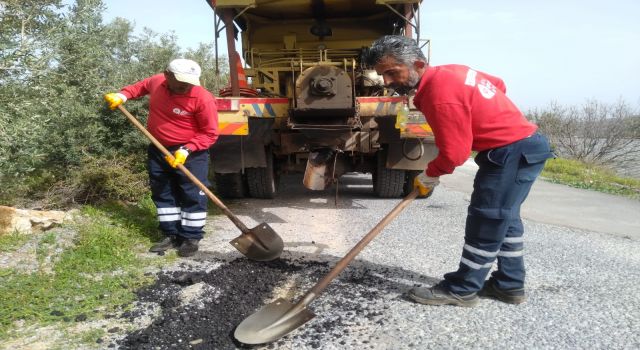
(237, 289)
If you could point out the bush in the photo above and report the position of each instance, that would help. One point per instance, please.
(99, 180)
(595, 133)
(56, 136)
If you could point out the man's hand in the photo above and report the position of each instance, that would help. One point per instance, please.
(115, 99)
(425, 184)
(179, 157)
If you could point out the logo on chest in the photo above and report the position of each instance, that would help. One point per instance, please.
(179, 111)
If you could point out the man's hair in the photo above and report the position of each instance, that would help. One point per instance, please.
(403, 49)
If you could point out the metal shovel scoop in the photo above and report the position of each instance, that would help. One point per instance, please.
(260, 243)
(280, 317)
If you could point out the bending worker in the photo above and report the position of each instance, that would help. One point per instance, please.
(468, 110)
(184, 118)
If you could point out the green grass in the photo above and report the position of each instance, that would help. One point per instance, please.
(95, 276)
(582, 175)
(90, 336)
(12, 241)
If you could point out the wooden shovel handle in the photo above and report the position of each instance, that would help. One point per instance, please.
(342, 264)
(182, 168)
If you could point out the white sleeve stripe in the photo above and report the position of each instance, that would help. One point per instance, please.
(475, 266)
(173, 210)
(163, 218)
(200, 215)
(514, 239)
(480, 252)
(193, 223)
(510, 254)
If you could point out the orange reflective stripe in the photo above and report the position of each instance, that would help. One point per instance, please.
(233, 129)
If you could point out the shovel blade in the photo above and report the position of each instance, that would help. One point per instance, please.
(260, 243)
(272, 322)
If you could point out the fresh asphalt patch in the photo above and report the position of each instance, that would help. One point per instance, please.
(240, 287)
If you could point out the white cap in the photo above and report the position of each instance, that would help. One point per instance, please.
(186, 71)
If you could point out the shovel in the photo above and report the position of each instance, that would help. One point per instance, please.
(280, 317)
(260, 243)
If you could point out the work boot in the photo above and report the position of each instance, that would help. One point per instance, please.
(440, 295)
(511, 296)
(188, 247)
(170, 241)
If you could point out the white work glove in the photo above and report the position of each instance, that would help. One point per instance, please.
(425, 184)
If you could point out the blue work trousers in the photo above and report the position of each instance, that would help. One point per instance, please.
(181, 205)
(494, 228)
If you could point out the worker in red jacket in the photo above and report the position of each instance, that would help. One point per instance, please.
(184, 118)
(468, 110)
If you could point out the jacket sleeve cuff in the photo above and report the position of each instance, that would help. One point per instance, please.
(123, 96)
(192, 147)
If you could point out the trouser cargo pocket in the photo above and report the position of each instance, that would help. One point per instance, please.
(531, 166)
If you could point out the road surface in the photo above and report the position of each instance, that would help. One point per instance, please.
(582, 256)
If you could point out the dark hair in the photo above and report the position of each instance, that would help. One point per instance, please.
(403, 49)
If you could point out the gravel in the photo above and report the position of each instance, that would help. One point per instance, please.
(581, 284)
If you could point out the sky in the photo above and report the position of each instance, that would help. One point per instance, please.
(565, 51)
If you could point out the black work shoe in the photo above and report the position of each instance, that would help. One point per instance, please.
(170, 241)
(511, 296)
(188, 247)
(440, 295)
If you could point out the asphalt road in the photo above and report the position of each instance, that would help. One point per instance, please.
(582, 256)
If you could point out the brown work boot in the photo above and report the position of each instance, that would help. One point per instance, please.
(511, 296)
(440, 295)
(170, 241)
(188, 247)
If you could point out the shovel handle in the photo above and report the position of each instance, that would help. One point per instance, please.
(342, 264)
(182, 168)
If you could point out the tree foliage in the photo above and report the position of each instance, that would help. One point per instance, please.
(56, 63)
(595, 132)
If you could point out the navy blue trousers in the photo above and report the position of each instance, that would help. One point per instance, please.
(494, 228)
(181, 205)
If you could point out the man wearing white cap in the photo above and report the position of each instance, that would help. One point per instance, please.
(184, 118)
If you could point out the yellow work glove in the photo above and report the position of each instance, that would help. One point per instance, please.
(425, 184)
(115, 99)
(179, 157)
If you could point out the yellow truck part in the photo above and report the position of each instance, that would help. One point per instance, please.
(305, 101)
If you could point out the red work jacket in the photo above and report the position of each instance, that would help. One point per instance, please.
(189, 119)
(467, 110)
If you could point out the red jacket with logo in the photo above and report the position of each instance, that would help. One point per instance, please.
(189, 119)
(467, 110)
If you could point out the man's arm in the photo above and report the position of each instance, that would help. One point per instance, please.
(451, 125)
(207, 120)
(141, 88)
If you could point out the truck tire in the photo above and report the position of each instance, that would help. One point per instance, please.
(229, 185)
(387, 183)
(262, 182)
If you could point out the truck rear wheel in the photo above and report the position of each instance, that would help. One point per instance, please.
(229, 185)
(262, 182)
(387, 183)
